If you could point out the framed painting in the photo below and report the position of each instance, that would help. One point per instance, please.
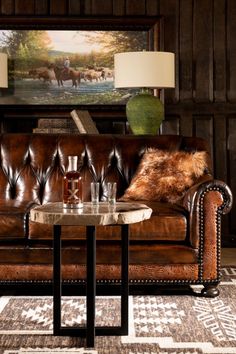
(68, 62)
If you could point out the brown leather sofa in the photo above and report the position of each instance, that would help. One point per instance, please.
(179, 245)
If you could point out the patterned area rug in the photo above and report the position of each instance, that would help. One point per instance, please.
(167, 324)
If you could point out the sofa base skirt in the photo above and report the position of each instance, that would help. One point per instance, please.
(104, 272)
(152, 279)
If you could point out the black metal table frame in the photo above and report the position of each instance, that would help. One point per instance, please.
(90, 330)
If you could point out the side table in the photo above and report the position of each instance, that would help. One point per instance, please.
(90, 215)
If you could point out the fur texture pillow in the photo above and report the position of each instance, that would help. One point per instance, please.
(165, 176)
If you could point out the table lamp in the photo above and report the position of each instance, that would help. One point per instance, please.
(3, 70)
(146, 70)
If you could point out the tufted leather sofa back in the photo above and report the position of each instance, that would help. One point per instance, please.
(32, 165)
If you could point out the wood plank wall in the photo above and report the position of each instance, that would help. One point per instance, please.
(202, 34)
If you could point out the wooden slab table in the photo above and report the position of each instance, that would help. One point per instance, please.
(90, 215)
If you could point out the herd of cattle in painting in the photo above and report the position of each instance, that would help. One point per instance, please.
(61, 74)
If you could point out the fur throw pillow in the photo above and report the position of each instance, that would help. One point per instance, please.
(165, 176)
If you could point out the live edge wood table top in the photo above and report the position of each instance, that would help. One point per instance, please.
(98, 214)
(121, 213)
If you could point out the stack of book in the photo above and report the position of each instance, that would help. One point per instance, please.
(81, 123)
(56, 125)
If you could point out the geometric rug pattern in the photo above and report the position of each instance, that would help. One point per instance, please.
(165, 324)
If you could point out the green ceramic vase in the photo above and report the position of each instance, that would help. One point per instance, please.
(145, 113)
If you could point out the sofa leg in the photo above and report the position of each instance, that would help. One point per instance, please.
(210, 291)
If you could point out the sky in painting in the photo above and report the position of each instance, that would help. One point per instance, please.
(73, 41)
(70, 41)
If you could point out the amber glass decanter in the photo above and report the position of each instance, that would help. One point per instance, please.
(72, 196)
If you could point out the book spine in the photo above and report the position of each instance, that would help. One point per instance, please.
(56, 123)
(87, 122)
(55, 131)
(78, 123)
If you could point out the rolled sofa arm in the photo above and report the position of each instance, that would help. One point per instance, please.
(206, 201)
(205, 184)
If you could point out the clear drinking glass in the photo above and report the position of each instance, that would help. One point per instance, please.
(111, 192)
(95, 192)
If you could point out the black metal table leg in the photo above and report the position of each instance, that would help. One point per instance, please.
(57, 279)
(91, 284)
(90, 330)
(125, 279)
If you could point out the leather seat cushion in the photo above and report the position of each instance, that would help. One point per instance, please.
(106, 253)
(13, 218)
(167, 223)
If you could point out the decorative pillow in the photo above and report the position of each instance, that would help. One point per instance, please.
(165, 176)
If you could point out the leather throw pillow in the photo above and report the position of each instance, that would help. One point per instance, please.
(165, 176)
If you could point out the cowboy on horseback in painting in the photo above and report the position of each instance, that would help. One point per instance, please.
(66, 65)
(65, 72)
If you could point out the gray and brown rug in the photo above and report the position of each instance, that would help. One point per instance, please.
(158, 324)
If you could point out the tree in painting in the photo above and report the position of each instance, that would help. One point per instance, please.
(26, 46)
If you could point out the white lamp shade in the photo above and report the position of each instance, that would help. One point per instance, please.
(3, 70)
(144, 69)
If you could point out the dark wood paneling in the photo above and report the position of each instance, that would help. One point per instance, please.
(74, 7)
(170, 11)
(24, 7)
(87, 7)
(231, 50)
(220, 156)
(203, 50)
(186, 124)
(134, 7)
(186, 50)
(58, 7)
(102, 7)
(171, 125)
(203, 127)
(152, 7)
(119, 7)
(41, 7)
(7, 7)
(219, 51)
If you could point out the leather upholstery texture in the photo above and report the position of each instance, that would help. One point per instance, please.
(183, 236)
